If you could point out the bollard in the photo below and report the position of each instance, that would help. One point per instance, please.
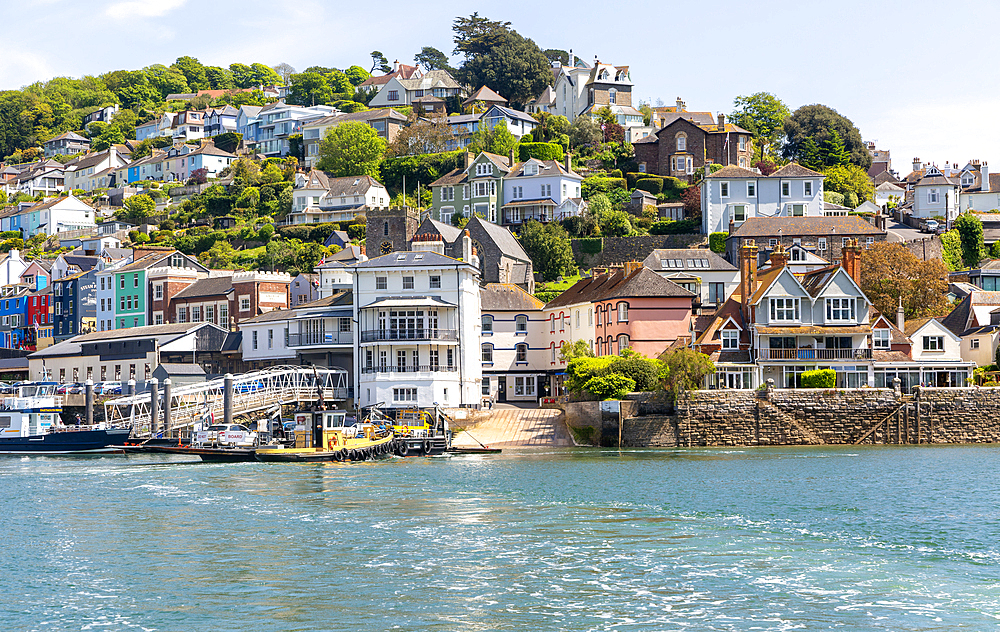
(154, 405)
(130, 388)
(88, 398)
(227, 399)
(166, 406)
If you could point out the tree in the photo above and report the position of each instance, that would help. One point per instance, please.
(110, 136)
(579, 349)
(810, 155)
(379, 62)
(763, 115)
(970, 230)
(166, 80)
(600, 205)
(685, 369)
(193, 71)
(309, 88)
(849, 179)
(610, 386)
(422, 136)
(285, 71)
(357, 75)
(616, 224)
(496, 140)
(818, 122)
(219, 78)
(432, 59)
(584, 131)
(556, 55)
(137, 208)
(499, 57)
(198, 176)
(834, 152)
(549, 248)
(254, 75)
(351, 149)
(889, 271)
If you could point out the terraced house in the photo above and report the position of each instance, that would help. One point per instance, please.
(477, 188)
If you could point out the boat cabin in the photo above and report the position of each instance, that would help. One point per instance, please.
(32, 412)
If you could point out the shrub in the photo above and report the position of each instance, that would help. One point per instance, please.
(540, 151)
(356, 231)
(615, 173)
(580, 370)
(613, 386)
(598, 184)
(820, 378)
(717, 242)
(642, 371)
(652, 185)
(545, 297)
(682, 227)
(591, 246)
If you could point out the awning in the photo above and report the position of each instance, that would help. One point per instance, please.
(540, 202)
(815, 331)
(416, 301)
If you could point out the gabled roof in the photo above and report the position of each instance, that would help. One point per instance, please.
(795, 170)
(507, 297)
(689, 258)
(448, 232)
(547, 168)
(641, 283)
(502, 237)
(732, 171)
(484, 94)
(68, 136)
(211, 286)
(402, 71)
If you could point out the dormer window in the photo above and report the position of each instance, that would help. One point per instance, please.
(967, 179)
(484, 169)
(604, 75)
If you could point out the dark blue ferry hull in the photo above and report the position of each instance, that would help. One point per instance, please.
(70, 442)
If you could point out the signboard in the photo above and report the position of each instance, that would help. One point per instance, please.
(613, 406)
(234, 437)
(201, 436)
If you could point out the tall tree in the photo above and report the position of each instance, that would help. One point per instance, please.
(432, 59)
(219, 78)
(818, 121)
(356, 75)
(309, 88)
(889, 271)
(970, 231)
(549, 249)
(351, 149)
(556, 55)
(809, 154)
(379, 62)
(193, 71)
(499, 57)
(166, 80)
(834, 152)
(285, 71)
(421, 136)
(763, 115)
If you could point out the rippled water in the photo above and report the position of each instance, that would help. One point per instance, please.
(759, 539)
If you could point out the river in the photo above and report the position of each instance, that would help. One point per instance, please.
(874, 538)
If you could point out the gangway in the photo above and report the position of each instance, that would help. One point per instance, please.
(254, 391)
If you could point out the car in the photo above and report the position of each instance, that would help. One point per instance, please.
(930, 226)
(73, 388)
(108, 388)
(231, 435)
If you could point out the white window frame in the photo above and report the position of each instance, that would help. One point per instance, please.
(786, 189)
(751, 189)
(785, 310)
(933, 343)
(730, 340)
(739, 216)
(724, 190)
(881, 339)
(841, 310)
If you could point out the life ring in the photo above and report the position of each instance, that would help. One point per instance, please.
(427, 447)
(403, 448)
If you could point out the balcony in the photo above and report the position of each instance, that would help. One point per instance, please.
(319, 339)
(815, 354)
(422, 368)
(409, 335)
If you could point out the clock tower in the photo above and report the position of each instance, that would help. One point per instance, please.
(389, 230)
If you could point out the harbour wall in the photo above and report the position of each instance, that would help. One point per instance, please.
(793, 417)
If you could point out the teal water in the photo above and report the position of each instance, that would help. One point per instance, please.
(759, 539)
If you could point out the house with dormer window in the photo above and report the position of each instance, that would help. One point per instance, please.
(541, 190)
(732, 195)
(936, 195)
(318, 198)
(475, 189)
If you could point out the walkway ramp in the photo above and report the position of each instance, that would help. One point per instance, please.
(517, 428)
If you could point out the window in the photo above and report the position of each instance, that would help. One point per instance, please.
(521, 351)
(841, 309)
(798, 210)
(487, 324)
(244, 303)
(623, 312)
(135, 280)
(385, 229)
(786, 189)
(210, 313)
(407, 283)
(821, 243)
(880, 338)
(933, 343)
(716, 293)
(974, 343)
(224, 314)
(344, 325)
(488, 353)
(196, 314)
(743, 143)
(739, 213)
(435, 282)
(486, 385)
(177, 260)
(404, 394)
(751, 189)
(869, 241)
(393, 95)
(447, 194)
(590, 317)
(254, 339)
(182, 314)
(577, 319)
(59, 307)
(681, 142)
(623, 343)
(724, 189)
(270, 338)
(932, 196)
(730, 339)
(521, 324)
(381, 283)
(158, 291)
(785, 309)
(121, 280)
(157, 318)
(807, 188)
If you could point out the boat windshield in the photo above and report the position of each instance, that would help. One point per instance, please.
(37, 390)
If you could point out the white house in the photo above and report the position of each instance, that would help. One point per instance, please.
(700, 271)
(12, 266)
(514, 348)
(399, 91)
(160, 126)
(56, 215)
(320, 198)
(935, 195)
(541, 190)
(266, 338)
(279, 120)
(732, 195)
(888, 192)
(80, 173)
(569, 94)
(980, 188)
(418, 336)
(938, 352)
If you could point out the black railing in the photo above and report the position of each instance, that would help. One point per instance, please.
(391, 335)
(422, 368)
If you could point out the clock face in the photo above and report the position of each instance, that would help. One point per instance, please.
(386, 247)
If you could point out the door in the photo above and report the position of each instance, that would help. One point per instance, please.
(502, 389)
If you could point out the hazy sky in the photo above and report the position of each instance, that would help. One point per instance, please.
(913, 76)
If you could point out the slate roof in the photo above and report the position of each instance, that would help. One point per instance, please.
(431, 79)
(343, 186)
(641, 283)
(503, 239)
(144, 261)
(795, 170)
(715, 261)
(935, 179)
(68, 136)
(484, 94)
(448, 232)
(408, 260)
(548, 168)
(507, 297)
(912, 326)
(794, 226)
(271, 316)
(732, 171)
(402, 71)
(453, 177)
(210, 286)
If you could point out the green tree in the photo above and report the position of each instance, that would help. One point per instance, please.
(379, 62)
(219, 78)
(763, 115)
(357, 75)
(616, 224)
(600, 205)
(193, 71)
(110, 136)
(578, 349)
(809, 155)
(549, 248)
(499, 57)
(610, 386)
(166, 80)
(584, 131)
(970, 231)
(219, 256)
(309, 88)
(351, 149)
(834, 152)
(497, 140)
(685, 369)
(818, 122)
(432, 59)
(137, 208)
(849, 179)
(285, 71)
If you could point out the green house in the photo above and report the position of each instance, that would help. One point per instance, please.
(476, 189)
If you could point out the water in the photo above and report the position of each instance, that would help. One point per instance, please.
(759, 539)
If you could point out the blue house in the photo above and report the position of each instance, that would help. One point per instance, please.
(74, 302)
(13, 316)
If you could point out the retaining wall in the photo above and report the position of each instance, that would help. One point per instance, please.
(619, 250)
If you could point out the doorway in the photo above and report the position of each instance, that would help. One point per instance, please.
(502, 389)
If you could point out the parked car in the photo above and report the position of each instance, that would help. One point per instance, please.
(73, 388)
(930, 226)
(108, 388)
(230, 436)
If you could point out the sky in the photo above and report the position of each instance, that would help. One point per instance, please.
(912, 76)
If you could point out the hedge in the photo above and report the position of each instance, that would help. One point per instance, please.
(682, 227)
(612, 386)
(820, 378)
(540, 151)
(545, 297)
(717, 242)
(652, 185)
(591, 245)
(356, 231)
(599, 184)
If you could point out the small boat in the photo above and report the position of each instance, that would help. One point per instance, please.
(417, 432)
(322, 436)
(30, 424)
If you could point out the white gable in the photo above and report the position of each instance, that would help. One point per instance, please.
(842, 285)
(786, 285)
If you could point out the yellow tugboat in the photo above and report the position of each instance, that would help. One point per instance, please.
(323, 436)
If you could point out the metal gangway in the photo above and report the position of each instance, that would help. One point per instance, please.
(250, 392)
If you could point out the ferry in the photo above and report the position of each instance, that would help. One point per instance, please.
(323, 436)
(417, 432)
(30, 424)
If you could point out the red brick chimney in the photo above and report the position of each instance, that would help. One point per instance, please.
(849, 261)
(748, 274)
(779, 258)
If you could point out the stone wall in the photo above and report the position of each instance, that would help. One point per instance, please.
(801, 417)
(618, 250)
(925, 249)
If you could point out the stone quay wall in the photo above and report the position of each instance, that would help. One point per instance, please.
(796, 417)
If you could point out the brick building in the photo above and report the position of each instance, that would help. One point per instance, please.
(683, 145)
(227, 297)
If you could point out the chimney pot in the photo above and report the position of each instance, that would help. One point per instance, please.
(900, 316)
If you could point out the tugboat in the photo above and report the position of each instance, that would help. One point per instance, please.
(417, 432)
(30, 424)
(323, 436)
